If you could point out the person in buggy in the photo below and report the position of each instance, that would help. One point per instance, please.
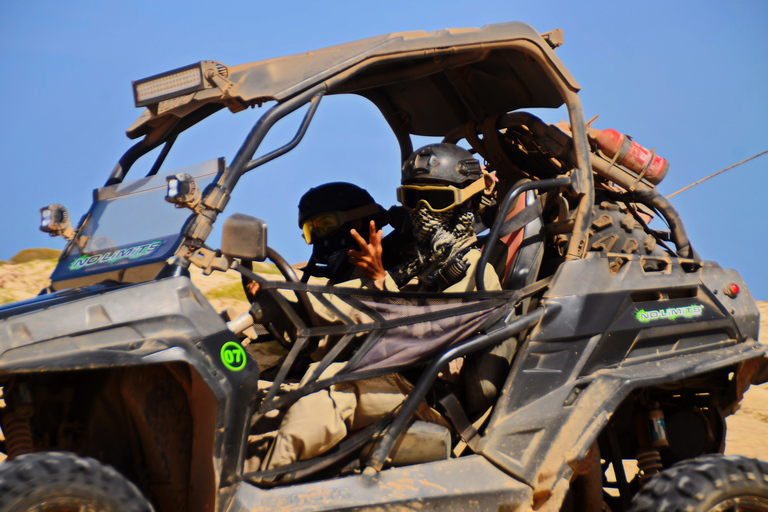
(328, 215)
(440, 185)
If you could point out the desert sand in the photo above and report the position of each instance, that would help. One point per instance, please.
(748, 428)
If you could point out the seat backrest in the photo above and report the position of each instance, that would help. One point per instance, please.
(524, 267)
(516, 256)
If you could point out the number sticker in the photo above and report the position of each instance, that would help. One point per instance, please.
(233, 356)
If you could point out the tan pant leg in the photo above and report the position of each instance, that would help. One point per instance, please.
(319, 421)
(377, 397)
(313, 425)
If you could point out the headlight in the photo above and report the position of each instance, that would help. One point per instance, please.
(178, 82)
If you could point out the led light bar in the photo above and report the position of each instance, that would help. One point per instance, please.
(171, 84)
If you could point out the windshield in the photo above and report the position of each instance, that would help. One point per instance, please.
(130, 224)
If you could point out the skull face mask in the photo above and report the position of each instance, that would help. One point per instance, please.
(440, 236)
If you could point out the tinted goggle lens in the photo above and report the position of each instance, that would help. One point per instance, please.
(436, 199)
(321, 225)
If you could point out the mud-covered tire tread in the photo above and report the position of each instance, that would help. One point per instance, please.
(696, 485)
(34, 475)
(615, 230)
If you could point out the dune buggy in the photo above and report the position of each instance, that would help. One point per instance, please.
(124, 389)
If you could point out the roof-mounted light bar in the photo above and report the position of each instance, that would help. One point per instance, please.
(178, 82)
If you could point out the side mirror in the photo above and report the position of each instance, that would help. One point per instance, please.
(244, 237)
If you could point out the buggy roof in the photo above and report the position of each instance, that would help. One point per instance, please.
(424, 83)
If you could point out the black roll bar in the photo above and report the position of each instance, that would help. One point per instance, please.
(242, 161)
(314, 103)
(411, 403)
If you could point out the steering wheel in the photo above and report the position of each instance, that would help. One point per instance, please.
(304, 309)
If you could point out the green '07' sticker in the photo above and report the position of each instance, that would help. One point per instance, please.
(233, 356)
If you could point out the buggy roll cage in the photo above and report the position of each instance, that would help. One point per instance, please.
(424, 83)
(486, 319)
(468, 75)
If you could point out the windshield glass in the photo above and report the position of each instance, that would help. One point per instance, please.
(131, 224)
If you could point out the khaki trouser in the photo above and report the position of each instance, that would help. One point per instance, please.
(319, 421)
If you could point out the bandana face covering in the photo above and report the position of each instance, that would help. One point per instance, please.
(330, 254)
(438, 236)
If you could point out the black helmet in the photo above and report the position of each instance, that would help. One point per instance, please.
(337, 197)
(447, 163)
(440, 177)
(325, 215)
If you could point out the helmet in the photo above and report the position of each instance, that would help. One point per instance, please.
(325, 214)
(444, 162)
(440, 177)
(331, 197)
(325, 209)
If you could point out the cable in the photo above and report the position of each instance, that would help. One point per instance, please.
(718, 172)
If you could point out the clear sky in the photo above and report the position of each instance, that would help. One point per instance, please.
(685, 77)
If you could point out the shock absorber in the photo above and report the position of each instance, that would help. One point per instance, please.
(649, 461)
(15, 422)
(18, 431)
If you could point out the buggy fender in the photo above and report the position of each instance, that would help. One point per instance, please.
(231, 391)
(616, 331)
(541, 442)
(158, 323)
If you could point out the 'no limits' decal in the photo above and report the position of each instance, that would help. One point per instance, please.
(669, 313)
(112, 257)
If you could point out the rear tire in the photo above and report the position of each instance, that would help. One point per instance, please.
(64, 482)
(713, 483)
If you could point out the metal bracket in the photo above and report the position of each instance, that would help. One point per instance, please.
(209, 260)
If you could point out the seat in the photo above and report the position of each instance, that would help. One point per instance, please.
(517, 258)
(517, 254)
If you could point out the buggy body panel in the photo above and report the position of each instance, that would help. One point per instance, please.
(582, 360)
(157, 340)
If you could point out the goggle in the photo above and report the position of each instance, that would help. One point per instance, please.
(323, 224)
(437, 198)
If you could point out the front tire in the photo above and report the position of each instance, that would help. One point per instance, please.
(64, 482)
(713, 483)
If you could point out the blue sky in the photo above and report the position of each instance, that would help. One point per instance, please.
(684, 77)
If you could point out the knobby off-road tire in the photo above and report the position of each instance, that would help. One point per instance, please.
(714, 483)
(615, 230)
(64, 482)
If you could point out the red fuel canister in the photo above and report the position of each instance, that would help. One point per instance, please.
(631, 154)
